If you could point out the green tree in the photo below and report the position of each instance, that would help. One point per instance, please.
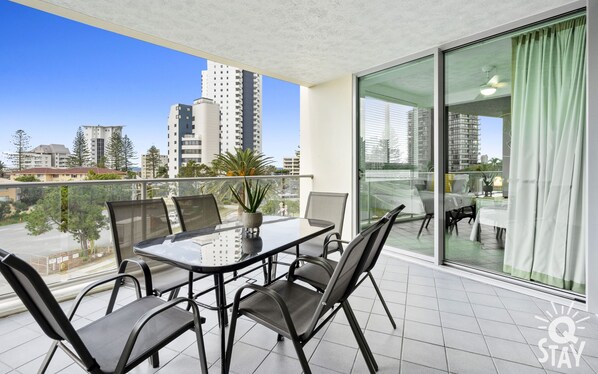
(241, 163)
(192, 170)
(2, 169)
(20, 142)
(162, 172)
(114, 151)
(152, 160)
(93, 176)
(128, 153)
(81, 155)
(5, 210)
(77, 210)
(29, 195)
(102, 162)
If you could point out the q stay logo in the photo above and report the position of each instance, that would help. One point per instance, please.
(562, 348)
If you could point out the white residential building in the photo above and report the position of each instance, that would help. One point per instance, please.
(239, 93)
(193, 134)
(146, 167)
(291, 164)
(47, 156)
(97, 138)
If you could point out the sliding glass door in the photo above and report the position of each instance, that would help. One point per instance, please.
(396, 152)
(514, 128)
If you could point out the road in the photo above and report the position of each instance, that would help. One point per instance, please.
(16, 238)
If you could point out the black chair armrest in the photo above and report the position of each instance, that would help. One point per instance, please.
(118, 277)
(340, 245)
(147, 275)
(145, 318)
(318, 261)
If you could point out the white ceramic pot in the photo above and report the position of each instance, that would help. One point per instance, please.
(252, 220)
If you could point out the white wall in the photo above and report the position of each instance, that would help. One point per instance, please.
(326, 138)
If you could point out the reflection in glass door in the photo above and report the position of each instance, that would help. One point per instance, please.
(396, 152)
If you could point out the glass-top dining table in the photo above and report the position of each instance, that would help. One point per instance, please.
(227, 248)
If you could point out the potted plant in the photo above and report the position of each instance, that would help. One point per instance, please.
(488, 183)
(250, 199)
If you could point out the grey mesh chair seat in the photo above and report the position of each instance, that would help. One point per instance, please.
(314, 248)
(168, 278)
(297, 312)
(301, 302)
(114, 343)
(318, 277)
(315, 275)
(106, 341)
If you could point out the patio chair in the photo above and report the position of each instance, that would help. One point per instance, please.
(138, 220)
(197, 212)
(328, 206)
(294, 311)
(319, 278)
(115, 343)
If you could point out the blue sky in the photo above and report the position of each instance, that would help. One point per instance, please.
(491, 137)
(56, 75)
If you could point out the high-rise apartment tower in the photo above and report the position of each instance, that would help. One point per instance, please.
(193, 134)
(239, 94)
(97, 138)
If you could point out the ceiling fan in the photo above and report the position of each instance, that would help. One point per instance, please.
(492, 84)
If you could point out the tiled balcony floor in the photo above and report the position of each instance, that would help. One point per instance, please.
(444, 324)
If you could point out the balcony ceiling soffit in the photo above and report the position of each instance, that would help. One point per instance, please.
(306, 42)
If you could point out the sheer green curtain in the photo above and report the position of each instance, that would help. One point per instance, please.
(545, 231)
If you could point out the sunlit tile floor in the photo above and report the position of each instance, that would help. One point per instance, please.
(444, 324)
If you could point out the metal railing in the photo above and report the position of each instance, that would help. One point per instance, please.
(61, 228)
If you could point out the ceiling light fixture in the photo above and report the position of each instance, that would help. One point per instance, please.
(487, 90)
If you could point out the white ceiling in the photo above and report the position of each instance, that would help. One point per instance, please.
(302, 41)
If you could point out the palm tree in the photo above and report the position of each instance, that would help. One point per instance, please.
(242, 163)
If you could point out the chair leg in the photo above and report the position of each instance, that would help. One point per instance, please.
(368, 356)
(429, 219)
(301, 357)
(231, 337)
(48, 357)
(421, 228)
(392, 321)
(201, 350)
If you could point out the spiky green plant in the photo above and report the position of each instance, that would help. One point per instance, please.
(254, 195)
